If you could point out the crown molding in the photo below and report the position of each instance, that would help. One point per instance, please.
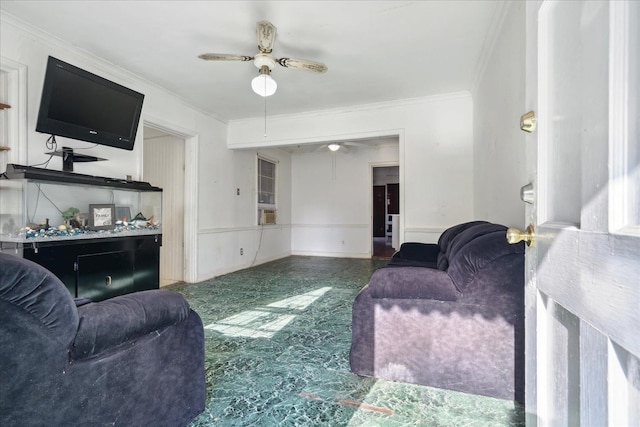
(407, 102)
(488, 46)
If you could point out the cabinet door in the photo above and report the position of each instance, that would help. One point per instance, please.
(147, 266)
(102, 268)
(57, 260)
(105, 275)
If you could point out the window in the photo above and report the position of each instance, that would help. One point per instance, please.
(266, 191)
(266, 183)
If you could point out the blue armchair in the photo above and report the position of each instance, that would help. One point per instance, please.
(136, 359)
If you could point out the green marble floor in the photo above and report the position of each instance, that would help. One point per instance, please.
(277, 353)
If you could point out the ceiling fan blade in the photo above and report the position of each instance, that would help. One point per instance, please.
(335, 146)
(301, 64)
(356, 144)
(224, 57)
(266, 36)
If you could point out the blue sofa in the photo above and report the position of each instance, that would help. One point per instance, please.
(447, 315)
(136, 359)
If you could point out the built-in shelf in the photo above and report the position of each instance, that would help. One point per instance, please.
(4, 107)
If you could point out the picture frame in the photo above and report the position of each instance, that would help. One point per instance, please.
(102, 216)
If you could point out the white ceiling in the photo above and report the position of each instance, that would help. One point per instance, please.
(375, 51)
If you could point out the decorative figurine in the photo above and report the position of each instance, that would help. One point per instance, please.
(70, 213)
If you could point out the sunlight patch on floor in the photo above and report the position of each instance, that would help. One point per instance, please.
(264, 322)
(300, 302)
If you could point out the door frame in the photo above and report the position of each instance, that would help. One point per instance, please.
(190, 191)
(373, 165)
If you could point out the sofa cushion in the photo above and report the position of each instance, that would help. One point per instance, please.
(447, 237)
(420, 251)
(403, 262)
(118, 320)
(478, 253)
(450, 233)
(470, 234)
(412, 282)
(416, 255)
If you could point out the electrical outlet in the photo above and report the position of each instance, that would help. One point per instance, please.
(241, 251)
(237, 191)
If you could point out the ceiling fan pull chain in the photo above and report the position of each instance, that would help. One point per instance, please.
(333, 166)
(265, 112)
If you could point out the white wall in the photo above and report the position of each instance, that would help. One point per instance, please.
(224, 221)
(499, 144)
(332, 201)
(228, 221)
(386, 175)
(436, 155)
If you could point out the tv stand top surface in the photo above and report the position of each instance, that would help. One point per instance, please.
(15, 171)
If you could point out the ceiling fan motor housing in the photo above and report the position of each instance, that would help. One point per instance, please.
(262, 60)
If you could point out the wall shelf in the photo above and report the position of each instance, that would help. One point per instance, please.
(4, 106)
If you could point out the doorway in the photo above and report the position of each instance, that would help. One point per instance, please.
(386, 207)
(163, 166)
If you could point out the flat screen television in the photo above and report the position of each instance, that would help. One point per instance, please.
(80, 105)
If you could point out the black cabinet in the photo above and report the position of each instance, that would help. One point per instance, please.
(102, 268)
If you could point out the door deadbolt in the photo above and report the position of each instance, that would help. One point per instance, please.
(528, 122)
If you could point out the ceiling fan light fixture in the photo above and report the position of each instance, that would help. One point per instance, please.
(334, 147)
(263, 84)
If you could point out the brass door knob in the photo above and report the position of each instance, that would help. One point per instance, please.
(514, 235)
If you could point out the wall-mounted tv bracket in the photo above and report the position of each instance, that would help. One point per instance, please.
(69, 157)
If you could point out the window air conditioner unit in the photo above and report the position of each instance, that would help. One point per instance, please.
(266, 216)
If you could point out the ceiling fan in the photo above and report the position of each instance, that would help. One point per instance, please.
(264, 85)
(342, 145)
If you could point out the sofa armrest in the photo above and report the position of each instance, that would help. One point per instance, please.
(118, 320)
(412, 282)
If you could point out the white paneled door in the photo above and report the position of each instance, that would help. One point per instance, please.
(583, 268)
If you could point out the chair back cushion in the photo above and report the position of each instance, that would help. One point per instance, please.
(30, 288)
